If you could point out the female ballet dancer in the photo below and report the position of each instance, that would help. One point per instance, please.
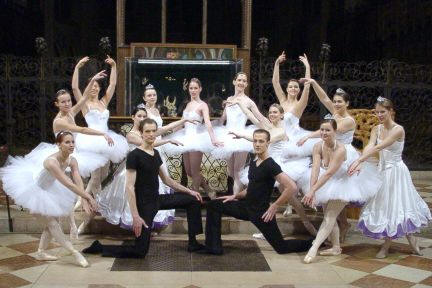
(397, 209)
(96, 114)
(331, 187)
(344, 134)
(193, 137)
(235, 150)
(112, 201)
(293, 168)
(47, 191)
(294, 108)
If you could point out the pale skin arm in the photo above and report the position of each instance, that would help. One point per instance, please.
(304, 98)
(234, 197)
(177, 186)
(112, 82)
(393, 136)
(322, 95)
(137, 221)
(315, 134)
(133, 138)
(280, 94)
(75, 79)
(334, 165)
(172, 126)
(206, 116)
(289, 189)
(89, 206)
(63, 125)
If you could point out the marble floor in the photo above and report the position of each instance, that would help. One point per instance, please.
(355, 267)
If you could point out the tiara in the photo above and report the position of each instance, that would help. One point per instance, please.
(340, 91)
(149, 86)
(381, 99)
(141, 106)
(329, 117)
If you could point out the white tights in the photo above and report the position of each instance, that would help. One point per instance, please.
(328, 227)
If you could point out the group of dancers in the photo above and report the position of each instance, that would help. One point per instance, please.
(322, 164)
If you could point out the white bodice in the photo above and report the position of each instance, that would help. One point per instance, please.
(191, 128)
(275, 150)
(290, 120)
(45, 179)
(390, 155)
(97, 120)
(235, 118)
(346, 137)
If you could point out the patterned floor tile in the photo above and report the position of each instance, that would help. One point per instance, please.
(375, 281)
(427, 281)
(8, 253)
(364, 265)
(403, 273)
(19, 262)
(105, 286)
(416, 262)
(30, 247)
(11, 281)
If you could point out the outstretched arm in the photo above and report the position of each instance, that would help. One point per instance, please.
(113, 81)
(63, 125)
(280, 94)
(75, 79)
(177, 186)
(322, 95)
(304, 98)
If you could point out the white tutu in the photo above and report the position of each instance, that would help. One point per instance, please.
(87, 161)
(397, 209)
(97, 144)
(357, 189)
(34, 188)
(230, 144)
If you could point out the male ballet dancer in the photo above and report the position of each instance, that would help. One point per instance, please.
(143, 166)
(255, 205)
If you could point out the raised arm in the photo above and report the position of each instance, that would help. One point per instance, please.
(75, 79)
(112, 82)
(206, 116)
(304, 98)
(322, 95)
(77, 107)
(280, 94)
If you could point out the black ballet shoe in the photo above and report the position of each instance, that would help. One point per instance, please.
(195, 247)
(95, 248)
(209, 251)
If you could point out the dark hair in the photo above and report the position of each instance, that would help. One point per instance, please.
(146, 121)
(332, 122)
(140, 107)
(59, 93)
(293, 80)
(262, 131)
(196, 80)
(61, 135)
(240, 73)
(345, 96)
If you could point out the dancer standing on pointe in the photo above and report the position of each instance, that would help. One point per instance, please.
(293, 168)
(235, 150)
(397, 209)
(112, 201)
(143, 166)
(263, 172)
(331, 187)
(47, 191)
(195, 139)
(344, 134)
(96, 114)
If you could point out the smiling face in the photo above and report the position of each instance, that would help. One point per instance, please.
(339, 104)
(94, 90)
(139, 116)
(150, 97)
(194, 90)
(240, 82)
(64, 102)
(274, 115)
(67, 144)
(293, 89)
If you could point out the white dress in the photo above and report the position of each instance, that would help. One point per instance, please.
(235, 122)
(97, 144)
(194, 137)
(293, 168)
(87, 161)
(113, 203)
(33, 187)
(355, 189)
(397, 209)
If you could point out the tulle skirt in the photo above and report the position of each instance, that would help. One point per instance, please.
(193, 141)
(357, 189)
(87, 161)
(98, 144)
(397, 209)
(20, 182)
(230, 144)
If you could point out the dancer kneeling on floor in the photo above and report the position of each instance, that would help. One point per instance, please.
(143, 166)
(263, 172)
